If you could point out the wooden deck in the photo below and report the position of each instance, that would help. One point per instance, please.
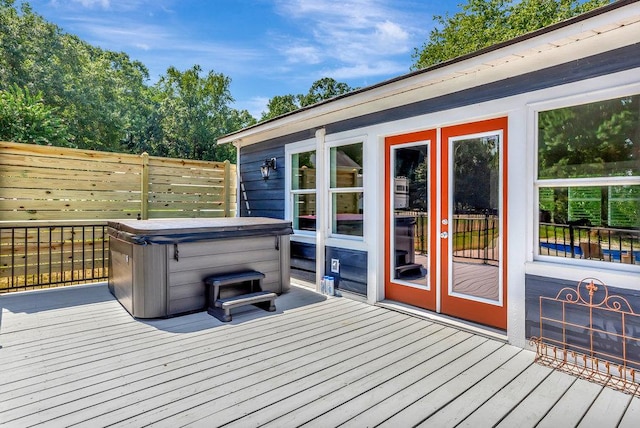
(74, 357)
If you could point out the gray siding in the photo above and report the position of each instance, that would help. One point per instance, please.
(259, 197)
(353, 269)
(577, 322)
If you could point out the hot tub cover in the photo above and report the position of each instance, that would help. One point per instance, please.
(172, 231)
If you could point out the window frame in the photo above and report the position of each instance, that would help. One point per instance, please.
(331, 191)
(601, 181)
(307, 236)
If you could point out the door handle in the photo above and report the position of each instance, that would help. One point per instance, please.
(444, 235)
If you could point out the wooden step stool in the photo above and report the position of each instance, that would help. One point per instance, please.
(221, 307)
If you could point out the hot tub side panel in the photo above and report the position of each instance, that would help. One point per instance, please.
(138, 278)
(197, 260)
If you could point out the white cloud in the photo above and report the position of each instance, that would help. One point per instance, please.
(363, 36)
(303, 54)
(363, 70)
(255, 106)
(120, 5)
(93, 3)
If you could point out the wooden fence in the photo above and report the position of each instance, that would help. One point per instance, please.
(55, 203)
(53, 183)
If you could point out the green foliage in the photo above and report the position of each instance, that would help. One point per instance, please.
(590, 140)
(279, 105)
(24, 118)
(320, 90)
(103, 98)
(195, 111)
(483, 23)
(99, 94)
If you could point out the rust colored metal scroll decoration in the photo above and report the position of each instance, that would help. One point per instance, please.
(592, 334)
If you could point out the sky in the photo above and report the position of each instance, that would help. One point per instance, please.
(266, 47)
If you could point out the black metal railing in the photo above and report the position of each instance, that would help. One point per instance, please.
(575, 240)
(40, 256)
(474, 236)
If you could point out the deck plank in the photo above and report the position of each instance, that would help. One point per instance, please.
(537, 404)
(467, 402)
(153, 347)
(308, 404)
(445, 366)
(606, 410)
(427, 405)
(499, 404)
(149, 365)
(102, 398)
(631, 418)
(359, 396)
(75, 356)
(244, 379)
(578, 398)
(336, 366)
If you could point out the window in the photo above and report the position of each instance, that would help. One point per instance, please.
(588, 181)
(303, 190)
(345, 189)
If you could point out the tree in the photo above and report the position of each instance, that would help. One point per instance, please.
(483, 23)
(195, 111)
(279, 105)
(100, 95)
(590, 140)
(323, 89)
(320, 90)
(24, 118)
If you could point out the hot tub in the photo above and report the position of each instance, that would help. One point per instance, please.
(157, 267)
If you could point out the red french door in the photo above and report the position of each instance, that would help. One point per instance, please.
(409, 228)
(445, 221)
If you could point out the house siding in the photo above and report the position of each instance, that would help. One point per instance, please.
(259, 197)
(602, 314)
(352, 276)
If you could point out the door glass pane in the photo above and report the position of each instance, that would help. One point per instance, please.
(410, 214)
(475, 229)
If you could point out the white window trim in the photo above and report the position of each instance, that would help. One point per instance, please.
(337, 239)
(559, 267)
(290, 150)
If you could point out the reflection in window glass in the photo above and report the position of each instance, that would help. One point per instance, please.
(475, 231)
(596, 222)
(303, 190)
(304, 212)
(346, 217)
(345, 188)
(303, 170)
(599, 139)
(410, 213)
(346, 166)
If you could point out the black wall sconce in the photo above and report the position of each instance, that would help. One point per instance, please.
(266, 167)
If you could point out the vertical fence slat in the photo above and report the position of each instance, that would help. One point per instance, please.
(227, 188)
(144, 187)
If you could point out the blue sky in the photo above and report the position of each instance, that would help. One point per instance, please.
(267, 47)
